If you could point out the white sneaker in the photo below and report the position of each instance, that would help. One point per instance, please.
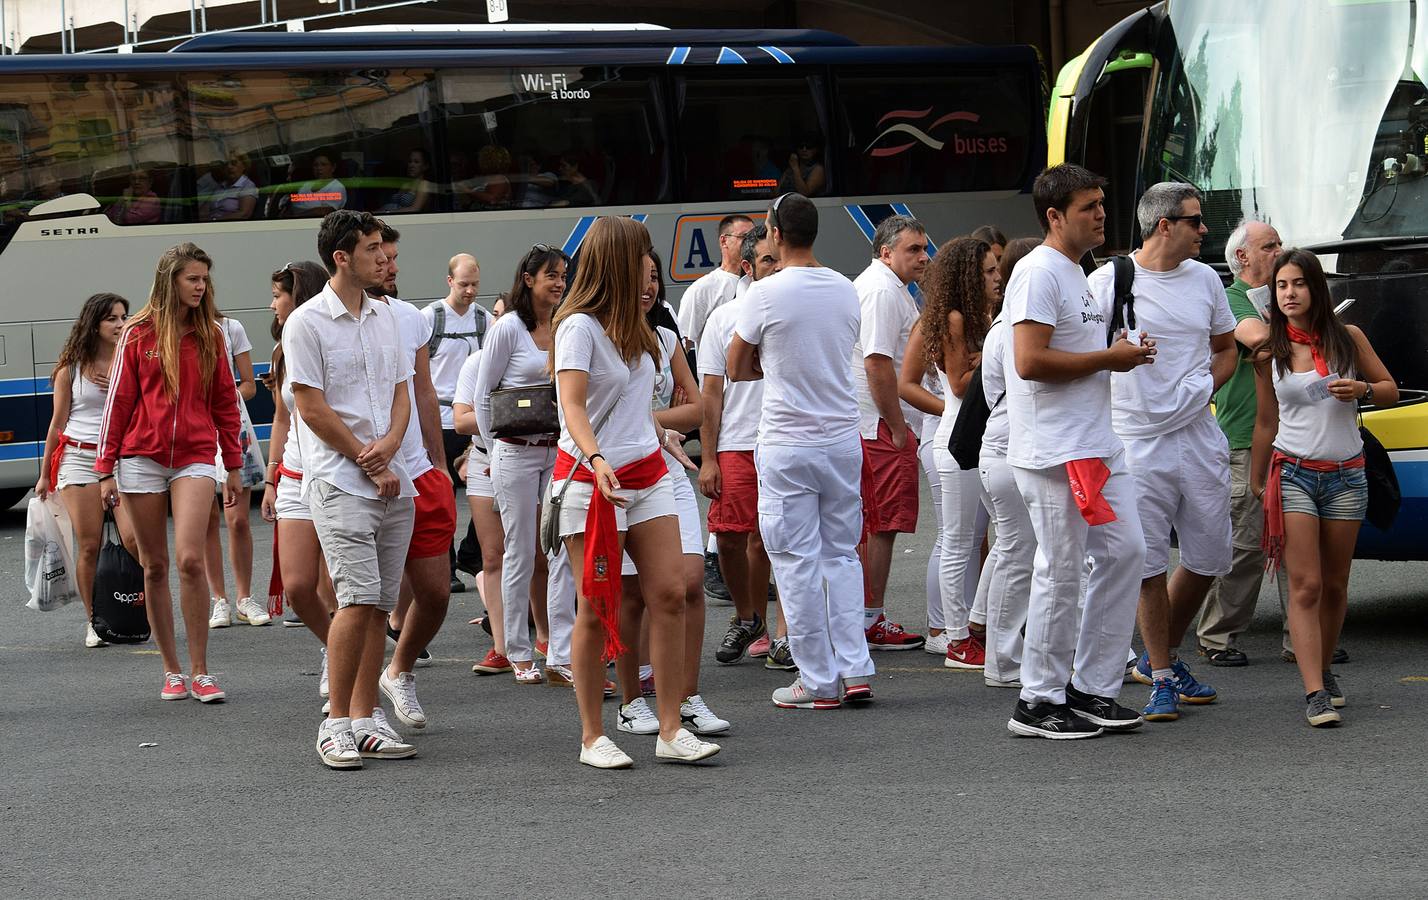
(402, 692)
(376, 739)
(684, 748)
(253, 612)
(336, 745)
(603, 754)
(91, 639)
(322, 679)
(636, 717)
(699, 718)
(937, 644)
(222, 615)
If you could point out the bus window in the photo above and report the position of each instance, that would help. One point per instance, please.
(306, 143)
(552, 137)
(111, 136)
(751, 138)
(965, 132)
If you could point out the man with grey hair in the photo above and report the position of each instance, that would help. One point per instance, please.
(887, 425)
(1229, 607)
(1176, 453)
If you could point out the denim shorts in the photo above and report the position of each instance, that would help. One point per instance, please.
(1339, 494)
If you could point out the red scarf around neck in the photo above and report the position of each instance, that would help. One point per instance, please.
(600, 578)
(1311, 339)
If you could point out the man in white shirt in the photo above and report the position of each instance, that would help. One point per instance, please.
(888, 427)
(1176, 453)
(1070, 469)
(426, 586)
(349, 377)
(796, 330)
(718, 287)
(458, 325)
(728, 477)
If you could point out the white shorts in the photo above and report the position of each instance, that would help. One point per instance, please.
(691, 539)
(141, 475)
(478, 476)
(76, 468)
(1182, 481)
(288, 503)
(651, 503)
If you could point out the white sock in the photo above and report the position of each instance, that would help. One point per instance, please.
(366, 724)
(871, 614)
(1157, 674)
(712, 545)
(646, 671)
(336, 725)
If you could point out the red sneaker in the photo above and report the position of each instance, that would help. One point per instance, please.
(759, 648)
(609, 688)
(492, 664)
(967, 653)
(175, 687)
(205, 689)
(647, 688)
(885, 635)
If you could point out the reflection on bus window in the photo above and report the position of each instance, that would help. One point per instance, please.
(413, 195)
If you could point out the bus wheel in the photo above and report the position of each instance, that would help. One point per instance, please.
(10, 496)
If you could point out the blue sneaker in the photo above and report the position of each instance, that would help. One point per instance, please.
(1191, 690)
(1141, 670)
(1164, 705)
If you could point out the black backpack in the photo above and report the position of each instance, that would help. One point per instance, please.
(119, 613)
(965, 444)
(1123, 311)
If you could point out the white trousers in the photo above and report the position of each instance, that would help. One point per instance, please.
(519, 475)
(1006, 578)
(810, 517)
(934, 560)
(958, 569)
(1053, 644)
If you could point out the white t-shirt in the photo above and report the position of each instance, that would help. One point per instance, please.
(446, 360)
(663, 394)
(1051, 423)
(357, 363)
(701, 298)
(292, 448)
(466, 393)
(509, 359)
(416, 331)
(888, 315)
(623, 389)
(805, 322)
(743, 400)
(1180, 310)
(994, 388)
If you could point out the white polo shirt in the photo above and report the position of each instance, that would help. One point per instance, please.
(415, 331)
(449, 356)
(888, 313)
(743, 400)
(702, 297)
(357, 364)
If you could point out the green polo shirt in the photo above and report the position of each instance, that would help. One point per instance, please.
(1235, 400)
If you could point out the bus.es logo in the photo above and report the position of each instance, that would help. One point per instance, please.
(909, 123)
(696, 244)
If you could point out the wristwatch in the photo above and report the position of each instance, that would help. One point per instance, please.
(1368, 392)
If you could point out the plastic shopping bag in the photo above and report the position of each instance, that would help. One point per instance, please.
(49, 556)
(120, 616)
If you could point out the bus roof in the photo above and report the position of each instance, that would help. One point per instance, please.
(529, 38)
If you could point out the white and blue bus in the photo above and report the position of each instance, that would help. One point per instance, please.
(483, 142)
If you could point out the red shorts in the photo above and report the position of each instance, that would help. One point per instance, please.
(435, 521)
(737, 509)
(894, 501)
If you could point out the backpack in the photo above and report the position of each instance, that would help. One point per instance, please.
(1123, 310)
(965, 444)
(439, 332)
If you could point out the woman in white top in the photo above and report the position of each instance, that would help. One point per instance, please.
(302, 569)
(961, 286)
(620, 495)
(515, 354)
(676, 404)
(81, 379)
(1307, 464)
(235, 516)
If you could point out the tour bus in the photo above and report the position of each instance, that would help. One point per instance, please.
(479, 142)
(1309, 114)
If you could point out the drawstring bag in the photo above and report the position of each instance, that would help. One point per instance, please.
(119, 613)
(49, 558)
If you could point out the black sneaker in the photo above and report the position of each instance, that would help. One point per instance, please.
(395, 634)
(1048, 720)
(1319, 710)
(714, 589)
(457, 586)
(1225, 657)
(1336, 693)
(1102, 711)
(738, 638)
(780, 657)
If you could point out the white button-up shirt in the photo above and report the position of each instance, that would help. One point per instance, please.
(889, 314)
(357, 362)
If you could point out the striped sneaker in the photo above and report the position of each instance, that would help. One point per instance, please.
(376, 739)
(337, 746)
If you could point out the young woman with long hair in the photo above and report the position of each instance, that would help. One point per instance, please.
(81, 382)
(961, 287)
(302, 571)
(1307, 461)
(514, 355)
(620, 496)
(676, 404)
(172, 405)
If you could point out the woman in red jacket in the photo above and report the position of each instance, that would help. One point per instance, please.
(172, 407)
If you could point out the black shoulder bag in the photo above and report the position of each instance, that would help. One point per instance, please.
(965, 444)
(1384, 496)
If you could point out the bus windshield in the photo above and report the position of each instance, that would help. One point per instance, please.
(1310, 114)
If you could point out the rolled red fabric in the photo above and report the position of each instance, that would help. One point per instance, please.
(1272, 541)
(276, 593)
(1087, 477)
(600, 574)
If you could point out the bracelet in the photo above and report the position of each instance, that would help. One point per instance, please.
(271, 484)
(106, 477)
(592, 456)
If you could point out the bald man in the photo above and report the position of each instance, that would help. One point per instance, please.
(458, 325)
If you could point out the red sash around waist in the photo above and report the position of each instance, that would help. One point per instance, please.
(57, 457)
(1273, 540)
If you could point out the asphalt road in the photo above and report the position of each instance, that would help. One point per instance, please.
(921, 794)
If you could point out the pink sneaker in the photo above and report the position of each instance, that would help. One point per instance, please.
(175, 687)
(760, 648)
(205, 689)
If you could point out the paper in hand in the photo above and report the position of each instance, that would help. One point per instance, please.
(1319, 390)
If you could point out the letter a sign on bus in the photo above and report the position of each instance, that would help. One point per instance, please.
(496, 11)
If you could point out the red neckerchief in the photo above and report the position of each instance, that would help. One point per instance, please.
(1310, 339)
(600, 578)
(1087, 477)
